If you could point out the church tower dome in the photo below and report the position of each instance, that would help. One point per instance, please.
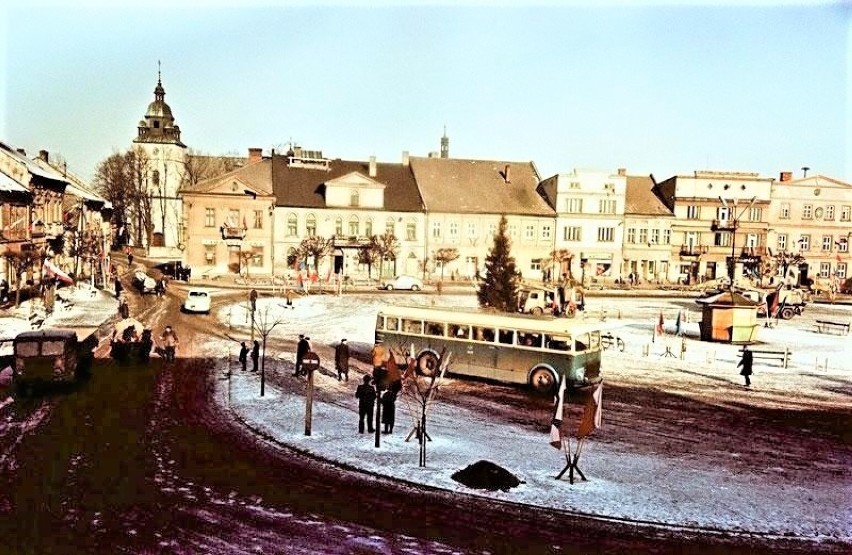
(158, 126)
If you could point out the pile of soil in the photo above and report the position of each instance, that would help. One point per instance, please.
(486, 475)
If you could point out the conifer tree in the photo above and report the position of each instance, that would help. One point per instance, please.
(499, 288)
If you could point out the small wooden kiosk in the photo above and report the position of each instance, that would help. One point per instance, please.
(729, 318)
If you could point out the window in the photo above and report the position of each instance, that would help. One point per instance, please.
(606, 206)
(338, 227)
(209, 217)
(483, 334)
(454, 231)
(841, 270)
(292, 225)
(606, 234)
(311, 225)
(545, 232)
(234, 217)
(752, 240)
(155, 177)
(436, 230)
(755, 213)
(571, 233)
(354, 198)
(843, 245)
(643, 236)
(805, 242)
(258, 219)
(631, 235)
(368, 227)
(434, 328)
(574, 205)
(354, 226)
(782, 241)
(723, 213)
(256, 257)
(507, 337)
(574, 185)
(471, 230)
(667, 236)
(492, 230)
(824, 269)
(845, 212)
(513, 231)
(210, 254)
(529, 232)
(655, 236)
(411, 231)
(722, 239)
(692, 212)
(807, 211)
(785, 211)
(827, 241)
(829, 213)
(389, 227)
(535, 264)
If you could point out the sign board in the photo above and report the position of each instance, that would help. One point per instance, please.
(310, 361)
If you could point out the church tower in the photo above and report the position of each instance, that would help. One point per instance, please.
(159, 139)
(445, 144)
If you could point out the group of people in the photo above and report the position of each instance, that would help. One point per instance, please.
(383, 386)
(244, 355)
(130, 340)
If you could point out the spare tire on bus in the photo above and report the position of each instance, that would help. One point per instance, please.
(427, 363)
(543, 380)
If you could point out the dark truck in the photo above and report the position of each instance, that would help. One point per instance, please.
(52, 357)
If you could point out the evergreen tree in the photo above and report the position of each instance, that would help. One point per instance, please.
(499, 288)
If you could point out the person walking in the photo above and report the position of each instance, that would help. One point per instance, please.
(341, 360)
(366, 395)
(244, 351)
(118, 287)
(302, 348)
(388, 410)
(289, 294)
(255, 355)
(746, 363)
(170, 341)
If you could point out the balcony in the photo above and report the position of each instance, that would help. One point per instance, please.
(753, 252)
(230, 232)
(724, 225)
(692, 250)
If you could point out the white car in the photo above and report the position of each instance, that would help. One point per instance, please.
(410, 283)
(197, 300)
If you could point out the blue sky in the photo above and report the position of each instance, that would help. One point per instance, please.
(654, 88)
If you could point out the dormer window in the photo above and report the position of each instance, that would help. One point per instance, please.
(354, 198)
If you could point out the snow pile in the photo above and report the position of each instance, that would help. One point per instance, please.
(486, 475)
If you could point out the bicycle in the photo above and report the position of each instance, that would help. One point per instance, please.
(608, 341)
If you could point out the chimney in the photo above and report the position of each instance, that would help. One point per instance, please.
(42, 154)
(506, 175)
(255, 155)
(786, 176)
(405, 158)
(622, 172)
(22, 152)
(372, 166)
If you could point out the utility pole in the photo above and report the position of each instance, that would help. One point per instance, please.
(731, 225)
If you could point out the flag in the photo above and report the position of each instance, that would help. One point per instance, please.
(660, 324)
(591, 413)
(558, 413)
(53, 270)
(677, 324)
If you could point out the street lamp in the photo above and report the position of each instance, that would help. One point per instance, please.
(732, 226)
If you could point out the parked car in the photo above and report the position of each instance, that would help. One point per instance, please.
(410, 283)
(143, 282)
(197, 300)
(175, 270)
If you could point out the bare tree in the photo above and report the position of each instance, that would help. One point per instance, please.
(264, 322)
(387, 248)
(20, 262)
(444, 256)
(122, 180)
(316, 247)
(199, 166)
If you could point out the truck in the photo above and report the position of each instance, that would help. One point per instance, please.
(51, 357)
(783, 302)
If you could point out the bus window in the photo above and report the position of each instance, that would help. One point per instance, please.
(529, 339)
(412, 326)
(506, 336)
(581, 343)
(483, 334)
(557, 342)
(459, 331)
(434, 328)
(391, 324)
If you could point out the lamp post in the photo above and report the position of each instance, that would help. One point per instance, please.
(732, 226)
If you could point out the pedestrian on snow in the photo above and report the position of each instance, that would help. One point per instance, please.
(746, 362)
(388, 410)
(129, 259)
(341, 360)
(255, 355)
(123, 308)
(244, 351)
(170, 340)
(160, 288)
(146, 343)
(366, 395)
(118, 287)
(289, 294)
(302, 348)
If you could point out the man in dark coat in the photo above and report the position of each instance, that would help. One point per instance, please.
(302, 348)
(341, 360)
(746, 362)
(388, 410)
(255, 355)
(366, 395)
(244, 351)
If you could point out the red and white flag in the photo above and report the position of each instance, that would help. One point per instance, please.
(660, 324)
(558, 413)
(591, 413)
(54, 270)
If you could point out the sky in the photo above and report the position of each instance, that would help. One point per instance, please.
(656, 88)
(772, 498)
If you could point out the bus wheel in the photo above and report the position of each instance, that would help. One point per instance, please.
(537, 311)
(427, 363)
(787, 313)
(543, 381)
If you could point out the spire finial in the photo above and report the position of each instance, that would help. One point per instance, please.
(159, 75)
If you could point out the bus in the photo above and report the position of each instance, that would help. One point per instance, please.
(505, 347)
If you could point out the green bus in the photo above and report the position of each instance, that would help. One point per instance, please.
(505, 347)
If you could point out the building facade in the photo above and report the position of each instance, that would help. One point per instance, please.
(648, 223)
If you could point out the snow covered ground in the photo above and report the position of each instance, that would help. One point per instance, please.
(622, 484)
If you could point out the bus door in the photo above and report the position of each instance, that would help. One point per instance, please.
(481, 352)
(518, 351)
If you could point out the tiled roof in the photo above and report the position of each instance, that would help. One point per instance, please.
(305, 187)
(76, 186)
(479, 186)
(640, 198)
(31, 166)
(256, 175)
(9, 185)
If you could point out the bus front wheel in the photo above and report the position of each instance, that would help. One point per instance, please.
(427, 363)
(543, 381)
